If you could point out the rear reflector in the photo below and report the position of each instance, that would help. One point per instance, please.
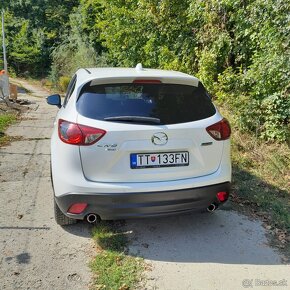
(141, 81)
(222, 196)
(76, 134)
(77, 208)
(220, 130)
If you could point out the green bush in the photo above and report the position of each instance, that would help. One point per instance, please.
(229, 87)
(239, 49)
(208, 69)
(63, 83)
(250, 115)
(276, 113)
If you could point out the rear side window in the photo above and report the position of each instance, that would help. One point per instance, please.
(171, 103)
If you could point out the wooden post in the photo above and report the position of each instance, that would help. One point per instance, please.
(13, 92)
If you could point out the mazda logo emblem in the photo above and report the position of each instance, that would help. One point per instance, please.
(159, 138)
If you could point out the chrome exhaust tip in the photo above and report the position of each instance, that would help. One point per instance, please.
(212, 207)
(92, 218)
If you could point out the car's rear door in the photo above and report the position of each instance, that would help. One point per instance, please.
(139, 148)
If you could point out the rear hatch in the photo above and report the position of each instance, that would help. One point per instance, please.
(154, 132)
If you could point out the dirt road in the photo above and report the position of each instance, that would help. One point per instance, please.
(35, 252)
(223, 250)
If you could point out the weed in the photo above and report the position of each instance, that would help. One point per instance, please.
(261, 181)
(109, 238)
(112, 267)
(5, 121)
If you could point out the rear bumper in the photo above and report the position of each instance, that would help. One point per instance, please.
(142, 204)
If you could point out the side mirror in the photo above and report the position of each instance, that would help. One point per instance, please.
(54, 100)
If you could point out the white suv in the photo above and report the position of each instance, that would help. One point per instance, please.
(135, 142)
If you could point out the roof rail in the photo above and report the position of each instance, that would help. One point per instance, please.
(85, 70)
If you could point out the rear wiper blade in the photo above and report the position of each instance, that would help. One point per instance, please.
(138, 119)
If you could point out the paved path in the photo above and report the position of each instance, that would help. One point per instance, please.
(35, 253)
(222, 251)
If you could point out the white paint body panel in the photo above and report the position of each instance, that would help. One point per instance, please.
(89, 169)
(101, 165)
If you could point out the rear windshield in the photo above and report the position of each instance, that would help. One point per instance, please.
(168, 103)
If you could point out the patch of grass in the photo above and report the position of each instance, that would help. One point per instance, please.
(261, 181)
(5, 121)
(116, 271)
(109, 238)
(269, 200)
(113, 268)
(261, 173)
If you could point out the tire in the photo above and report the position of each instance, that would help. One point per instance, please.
(62, 219)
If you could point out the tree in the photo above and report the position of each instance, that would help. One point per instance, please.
(34, 28)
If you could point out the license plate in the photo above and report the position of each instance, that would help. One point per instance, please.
(151, 160)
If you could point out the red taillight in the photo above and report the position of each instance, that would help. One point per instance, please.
(77, 208)
(76, 134)
(222, 196)
(146, 81)
(220, 131)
